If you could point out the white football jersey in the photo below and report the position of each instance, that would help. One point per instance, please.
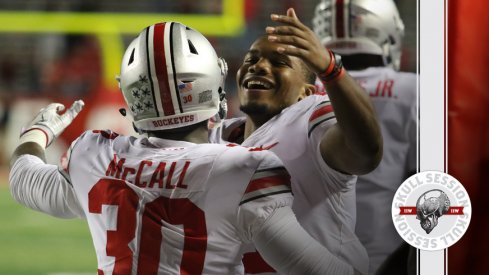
(324, 199)
(393, 95)
(172, 207)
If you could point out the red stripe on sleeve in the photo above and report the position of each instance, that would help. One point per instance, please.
(321, 111)
(266, 182)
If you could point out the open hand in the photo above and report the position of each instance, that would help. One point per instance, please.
(49, 121)
(299, 41)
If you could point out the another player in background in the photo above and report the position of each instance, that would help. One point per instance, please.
(167, 203)
(368, 34)
(322, 150)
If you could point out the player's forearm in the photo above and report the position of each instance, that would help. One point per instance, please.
(356, 118)
(288, 248)
(41, 187)
(30, 148)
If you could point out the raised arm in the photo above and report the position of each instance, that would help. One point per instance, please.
(34, 183)
(44, 129)
(354, 144)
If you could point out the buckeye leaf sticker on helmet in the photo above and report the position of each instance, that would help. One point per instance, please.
(170, 77)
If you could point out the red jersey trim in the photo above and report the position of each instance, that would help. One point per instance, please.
(266, 183)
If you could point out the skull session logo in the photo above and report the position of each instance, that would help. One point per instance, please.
(428, 210)
(431, 210)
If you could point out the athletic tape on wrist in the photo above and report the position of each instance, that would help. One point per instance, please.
(36, 135)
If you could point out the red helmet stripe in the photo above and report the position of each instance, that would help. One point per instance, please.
(340, 19)
(160, 67)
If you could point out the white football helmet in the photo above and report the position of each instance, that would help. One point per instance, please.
(361, 26)
(171, 77)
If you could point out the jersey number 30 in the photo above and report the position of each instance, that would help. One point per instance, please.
(177, 211)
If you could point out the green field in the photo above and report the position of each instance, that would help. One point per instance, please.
(34, 243)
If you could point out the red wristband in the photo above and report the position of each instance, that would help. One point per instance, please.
(330, 67)
(334, 70)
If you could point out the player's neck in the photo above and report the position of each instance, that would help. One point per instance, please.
(253, 123)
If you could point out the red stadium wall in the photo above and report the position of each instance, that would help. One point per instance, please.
(468, 134)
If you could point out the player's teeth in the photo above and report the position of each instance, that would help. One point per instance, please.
(255, 82)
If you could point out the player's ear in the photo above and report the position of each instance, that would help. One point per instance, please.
(308, 90)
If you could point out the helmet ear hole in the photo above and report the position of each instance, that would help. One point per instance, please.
(392, 40)
(131, 58)
(192, 47)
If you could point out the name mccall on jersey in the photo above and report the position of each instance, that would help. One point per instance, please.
(173, 120)
(149, 174)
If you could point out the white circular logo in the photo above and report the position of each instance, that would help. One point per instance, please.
(431, 210)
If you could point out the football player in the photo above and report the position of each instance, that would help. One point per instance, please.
(166, 202)
(323, 141)
(368, 34)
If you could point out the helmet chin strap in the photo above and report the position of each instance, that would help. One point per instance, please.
(388, 61)
(216, 120)
(136, 129)
(223, 107)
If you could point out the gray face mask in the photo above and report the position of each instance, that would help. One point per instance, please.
(430, 206)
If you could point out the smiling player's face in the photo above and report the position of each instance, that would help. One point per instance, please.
(269, 81)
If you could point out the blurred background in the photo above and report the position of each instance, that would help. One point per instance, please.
(63, 50)
(60, 51)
